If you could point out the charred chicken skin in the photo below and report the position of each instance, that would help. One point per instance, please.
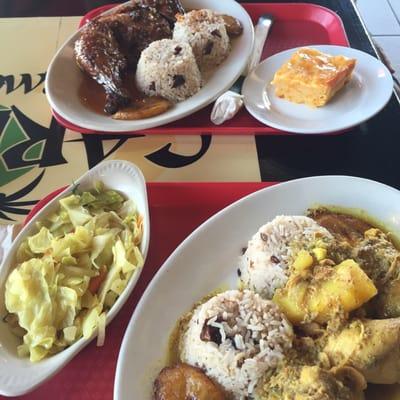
(167, 8)
(110, 45)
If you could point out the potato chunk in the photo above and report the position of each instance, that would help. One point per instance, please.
(320, 253)
(325, 291)
(303, 261)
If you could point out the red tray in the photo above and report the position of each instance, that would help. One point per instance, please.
(300, 24)
(184, 206)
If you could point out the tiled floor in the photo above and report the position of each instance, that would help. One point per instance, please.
(382, 18)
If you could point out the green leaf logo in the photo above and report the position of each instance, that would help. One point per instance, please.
(13, 134)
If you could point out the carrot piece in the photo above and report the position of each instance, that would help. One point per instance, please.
(96, 281)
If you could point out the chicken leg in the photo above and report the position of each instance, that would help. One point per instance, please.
(110, 45)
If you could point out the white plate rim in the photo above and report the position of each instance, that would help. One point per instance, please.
(337, 128)
(162, 119)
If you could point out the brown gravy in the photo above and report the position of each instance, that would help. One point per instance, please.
(93, 96)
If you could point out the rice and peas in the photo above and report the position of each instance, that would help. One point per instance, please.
(235, 337)
(238, 336)
(174, 68)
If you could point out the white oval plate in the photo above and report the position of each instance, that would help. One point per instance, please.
(207, 260)
(19, 375)
(63, 79)
(368, 91)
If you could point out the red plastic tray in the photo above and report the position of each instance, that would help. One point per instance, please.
(300, 24)
(184, 206)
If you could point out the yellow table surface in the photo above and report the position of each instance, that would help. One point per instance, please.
(27, 45)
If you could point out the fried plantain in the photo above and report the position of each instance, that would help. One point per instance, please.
(233, 26)
(145, 108)
(183, 382)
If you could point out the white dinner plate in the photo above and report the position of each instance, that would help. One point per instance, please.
(64, 77)
(208, 258)
(19, 375)
(368, 91)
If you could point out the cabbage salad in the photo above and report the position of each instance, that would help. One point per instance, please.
(71, 272)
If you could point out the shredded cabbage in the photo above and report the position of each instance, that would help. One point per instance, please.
(71, 272)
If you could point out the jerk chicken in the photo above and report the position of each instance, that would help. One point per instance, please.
(110, 45)
(167, 8)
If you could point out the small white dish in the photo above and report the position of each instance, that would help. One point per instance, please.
(19, 375)
(368, 91)
(63, 79)
(207, 260)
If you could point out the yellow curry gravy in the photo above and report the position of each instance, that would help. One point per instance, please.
(180, 327)
(373, 391)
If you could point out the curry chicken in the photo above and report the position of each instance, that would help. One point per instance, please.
(342, 298)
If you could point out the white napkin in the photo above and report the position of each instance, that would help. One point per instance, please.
(226, 107)
(229, 103)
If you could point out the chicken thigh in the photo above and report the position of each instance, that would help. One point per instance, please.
(110, 45)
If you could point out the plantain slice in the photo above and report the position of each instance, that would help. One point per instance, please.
(184, 382)
(145, 108)
(233, 26)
